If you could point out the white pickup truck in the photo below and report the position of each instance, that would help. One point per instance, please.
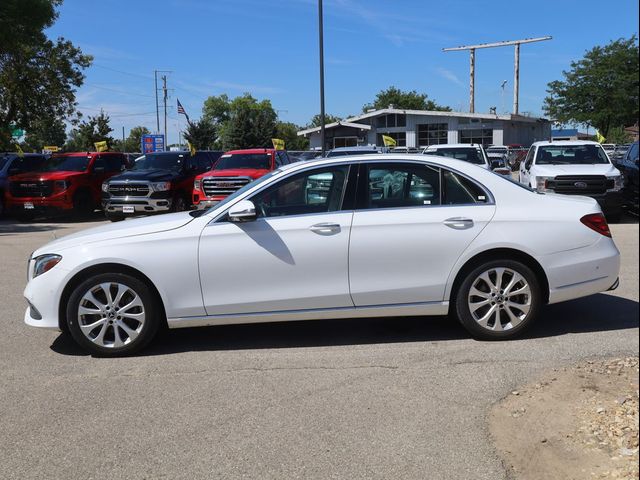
(574, 168)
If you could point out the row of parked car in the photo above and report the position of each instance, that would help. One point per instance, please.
(36, 185)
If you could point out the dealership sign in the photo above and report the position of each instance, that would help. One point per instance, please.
(152, 143)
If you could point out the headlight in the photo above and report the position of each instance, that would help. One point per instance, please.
(161, 186)
(62, 184)
(618, 183)
(105, 187)
(197, 183)
(44, 263)
(541, 184)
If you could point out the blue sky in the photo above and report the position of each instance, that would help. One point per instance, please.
(270, 49)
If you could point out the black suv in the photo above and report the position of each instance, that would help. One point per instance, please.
(157, 183)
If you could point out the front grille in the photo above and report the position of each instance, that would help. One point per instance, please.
(31, 188)
(129, 189)
(581, 184)
(223, 186)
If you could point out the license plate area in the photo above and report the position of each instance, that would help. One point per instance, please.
(28, 206)
(128, 209)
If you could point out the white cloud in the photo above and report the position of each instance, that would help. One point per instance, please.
(449, 75)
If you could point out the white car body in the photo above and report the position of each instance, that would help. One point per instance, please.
(340, 264)
(473, 146)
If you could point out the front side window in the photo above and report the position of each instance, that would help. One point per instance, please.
(401, 185)
(529, 159)
(571, 155)
(314, 191)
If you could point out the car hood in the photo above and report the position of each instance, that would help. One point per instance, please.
(128, 228)
(151, 175)
(553, 170)
(44, 176)
(237, 172)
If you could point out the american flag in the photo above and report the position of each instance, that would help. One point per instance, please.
(181, 109)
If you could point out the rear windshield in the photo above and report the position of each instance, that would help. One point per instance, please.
(571, 155)
(350, 152)
(471, 155)
(65, 163)
(160, 161)
(254, 161)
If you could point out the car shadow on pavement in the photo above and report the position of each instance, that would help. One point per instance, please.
(598, 313)
(10, 226)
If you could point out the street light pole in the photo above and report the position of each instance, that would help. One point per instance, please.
(321, 41)
(155, 77)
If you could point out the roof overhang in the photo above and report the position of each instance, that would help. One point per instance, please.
(360, 126)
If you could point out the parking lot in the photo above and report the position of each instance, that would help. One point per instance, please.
(379, 398)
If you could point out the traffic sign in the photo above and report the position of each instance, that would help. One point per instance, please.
(152, 143)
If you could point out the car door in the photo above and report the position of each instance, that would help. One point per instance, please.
(412, 222)
(292, 257)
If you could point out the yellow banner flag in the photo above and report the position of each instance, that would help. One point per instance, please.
(388, 141)
(51, 148)
(101, 146)
(278, 143)
(19, 150)
(599, 137)
(192, 149)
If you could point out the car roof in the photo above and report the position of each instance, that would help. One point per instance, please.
(358, 148)
(564, 142)
(250, 150)
(453, 145)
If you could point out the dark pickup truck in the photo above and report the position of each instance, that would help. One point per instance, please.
(157, 183)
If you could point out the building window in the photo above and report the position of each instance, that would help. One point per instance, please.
(399, 137)
(483, 136)
(432, 134)
(345, 142)
(391, 120)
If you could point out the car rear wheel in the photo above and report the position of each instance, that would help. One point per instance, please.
(498, 300)
(179, 204)
(113, 314)
(82, 203)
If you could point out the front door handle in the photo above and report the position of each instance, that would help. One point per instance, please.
(458, 223)
(325, 228)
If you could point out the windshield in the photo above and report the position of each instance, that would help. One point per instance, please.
(571, 155)
(497, 150)
(237, 193)
(254, 161)
(3, 162)
(160, 161)
(66, 163)
(471, 155)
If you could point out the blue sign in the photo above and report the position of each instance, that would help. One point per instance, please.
(152, 143)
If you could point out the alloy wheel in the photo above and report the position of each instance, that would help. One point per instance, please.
(499, 299)
(111, 315)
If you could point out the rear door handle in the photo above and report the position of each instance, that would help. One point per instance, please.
(458, 223)
(325, 228)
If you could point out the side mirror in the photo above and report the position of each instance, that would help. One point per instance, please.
(243, 211)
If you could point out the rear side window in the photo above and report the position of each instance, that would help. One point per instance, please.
(529, 159)
(401, 185)
(115, 163)
(204, 161)
(458, 190)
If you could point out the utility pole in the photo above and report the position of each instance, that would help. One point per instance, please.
(155, 77)
(123, 146)
(472, 80)
(321, 41)
(516, 70)
(164, 99)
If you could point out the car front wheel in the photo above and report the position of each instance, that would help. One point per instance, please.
(113, 314)
(498, 300)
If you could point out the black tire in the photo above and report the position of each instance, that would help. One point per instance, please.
(146, 330)
(179, 204)
(83, 205)
(114, 218)
(25, 217)
(469, 321)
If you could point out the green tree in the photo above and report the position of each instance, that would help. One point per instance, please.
(217, 109)
(315, 120)
(45, 132)
(617, 135)
(600, 90)
(134, 140)
(251, 123)
(288, 132)
(88, 132)
(38, 76)
(201, 134)
(404, 100)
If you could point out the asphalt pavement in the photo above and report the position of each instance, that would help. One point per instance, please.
(380, 398)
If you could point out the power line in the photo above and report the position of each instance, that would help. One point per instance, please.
(123, 92)
(146, 77)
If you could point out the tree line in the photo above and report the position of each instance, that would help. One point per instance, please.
(39, 78)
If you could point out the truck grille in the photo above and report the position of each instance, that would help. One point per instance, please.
(129, 189)
(31, 188)
(580, 184)
(223, 186)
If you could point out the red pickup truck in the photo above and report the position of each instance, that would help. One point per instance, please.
(66, 183)
(233, 171)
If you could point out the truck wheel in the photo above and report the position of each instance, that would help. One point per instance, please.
(113, 314)
(498, 300)
(179, 204)
(114, 218)
(83, 203)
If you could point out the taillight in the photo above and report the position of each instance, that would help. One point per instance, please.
(597, 222)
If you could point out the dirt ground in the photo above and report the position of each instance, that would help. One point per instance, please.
(578, 422)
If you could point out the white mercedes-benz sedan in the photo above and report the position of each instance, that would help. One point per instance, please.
(345, 237)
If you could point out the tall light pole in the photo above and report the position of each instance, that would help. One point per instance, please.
(155, 77)
(504, 83)
(321, 41)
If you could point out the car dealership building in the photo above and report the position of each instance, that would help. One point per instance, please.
(421, 128)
